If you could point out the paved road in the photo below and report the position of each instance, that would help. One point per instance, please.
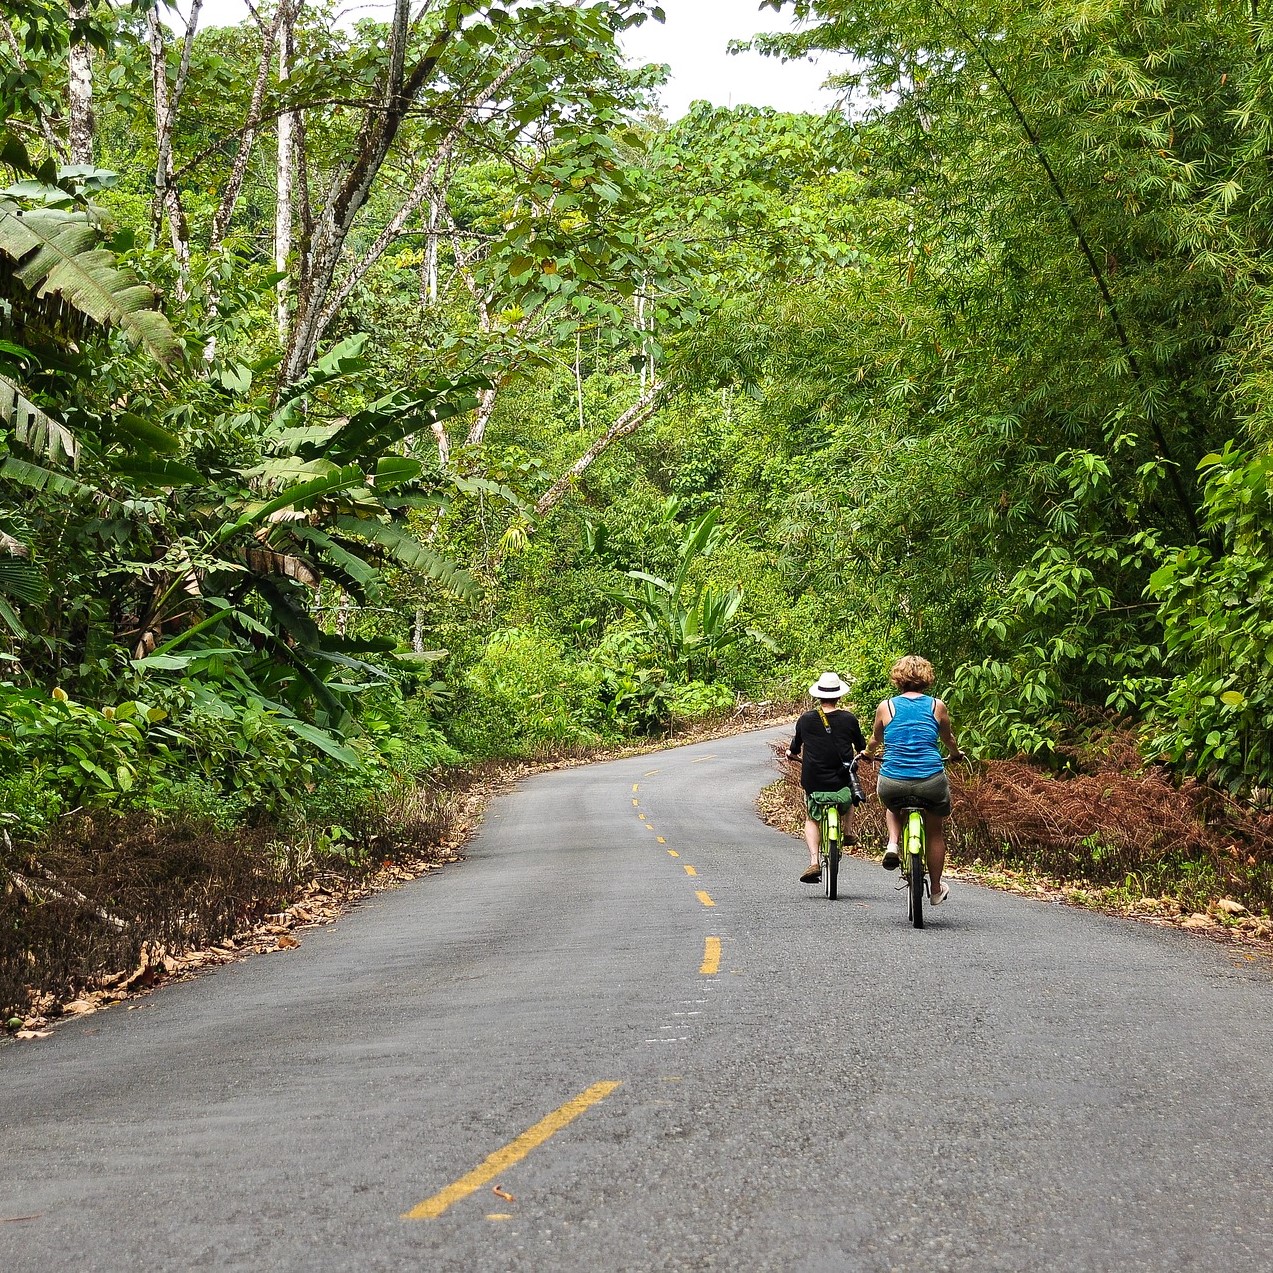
(1017, 1087)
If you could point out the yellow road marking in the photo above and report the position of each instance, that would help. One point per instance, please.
(641, 816)
(649, 773)
(689, 870)
(662, 840)
(512, 1153)
(711, 957)
(672, 853)
(498, 1215)
(635, 787)
(648, 827)
(635, 802)
(702, 897)
(700, 760)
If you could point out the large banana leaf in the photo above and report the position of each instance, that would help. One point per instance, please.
(56, 254)
(298, 496)
(35, 429)
(409, 552)
(37, 478)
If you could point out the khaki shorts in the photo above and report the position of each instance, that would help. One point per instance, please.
(932, 793)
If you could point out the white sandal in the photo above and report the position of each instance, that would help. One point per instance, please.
(941, 896)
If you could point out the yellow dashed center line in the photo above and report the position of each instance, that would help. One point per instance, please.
(711, 957)
(636, 786)
(662, 840)
(512, 1153)
(702, 897)
(641, 816)
(672, 853)
(635, 802)
(689, 870)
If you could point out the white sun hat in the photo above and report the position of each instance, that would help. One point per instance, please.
(828, 685)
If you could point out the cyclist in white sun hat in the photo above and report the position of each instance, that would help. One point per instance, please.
(826, 741)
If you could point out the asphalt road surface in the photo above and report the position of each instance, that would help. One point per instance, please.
(1019, 1086)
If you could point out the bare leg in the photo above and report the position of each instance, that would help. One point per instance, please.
(935, 838)
(813, 838)
(894, 823)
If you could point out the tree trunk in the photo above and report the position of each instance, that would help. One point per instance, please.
(167, 202)
(80, 68)
(430, 289)
(247, 139)
(351, 185)
(286, 168)
(631, 420)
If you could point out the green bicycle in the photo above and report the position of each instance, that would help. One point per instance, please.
(833, 841)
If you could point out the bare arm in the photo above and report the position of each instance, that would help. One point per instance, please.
(876, 745)
(945, 732)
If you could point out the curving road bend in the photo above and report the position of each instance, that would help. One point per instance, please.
(801, 1084)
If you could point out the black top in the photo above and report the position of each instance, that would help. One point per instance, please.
(824, 756)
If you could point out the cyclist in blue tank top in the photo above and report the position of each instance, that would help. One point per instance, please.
(908, 727)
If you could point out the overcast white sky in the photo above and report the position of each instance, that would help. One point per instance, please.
(692, 42)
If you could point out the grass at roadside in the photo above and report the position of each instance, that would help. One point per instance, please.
(1119, 840)
(107, 907)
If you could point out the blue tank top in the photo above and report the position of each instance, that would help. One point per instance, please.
(910, 739)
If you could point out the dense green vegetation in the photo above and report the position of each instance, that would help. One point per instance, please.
(490, 414)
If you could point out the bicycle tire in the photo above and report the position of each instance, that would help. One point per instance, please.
(915, 881)
(830, 856)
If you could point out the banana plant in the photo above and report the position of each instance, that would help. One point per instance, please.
(691, 624)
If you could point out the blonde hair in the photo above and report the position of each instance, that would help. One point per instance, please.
(912, 673)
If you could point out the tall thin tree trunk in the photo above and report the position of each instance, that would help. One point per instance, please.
(167, 202)
(430, 280)
(631, 420)
(286, 170)
(80, 67)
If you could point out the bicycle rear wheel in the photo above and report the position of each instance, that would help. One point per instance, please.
(915, 881)
(913, 866)
(831, 854)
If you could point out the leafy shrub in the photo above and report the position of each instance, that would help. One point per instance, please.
(525, 695)
(89, 756)
(27, 804)
(698, 699)
(630, 693)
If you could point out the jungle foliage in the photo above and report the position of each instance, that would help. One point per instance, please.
(383, 396)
